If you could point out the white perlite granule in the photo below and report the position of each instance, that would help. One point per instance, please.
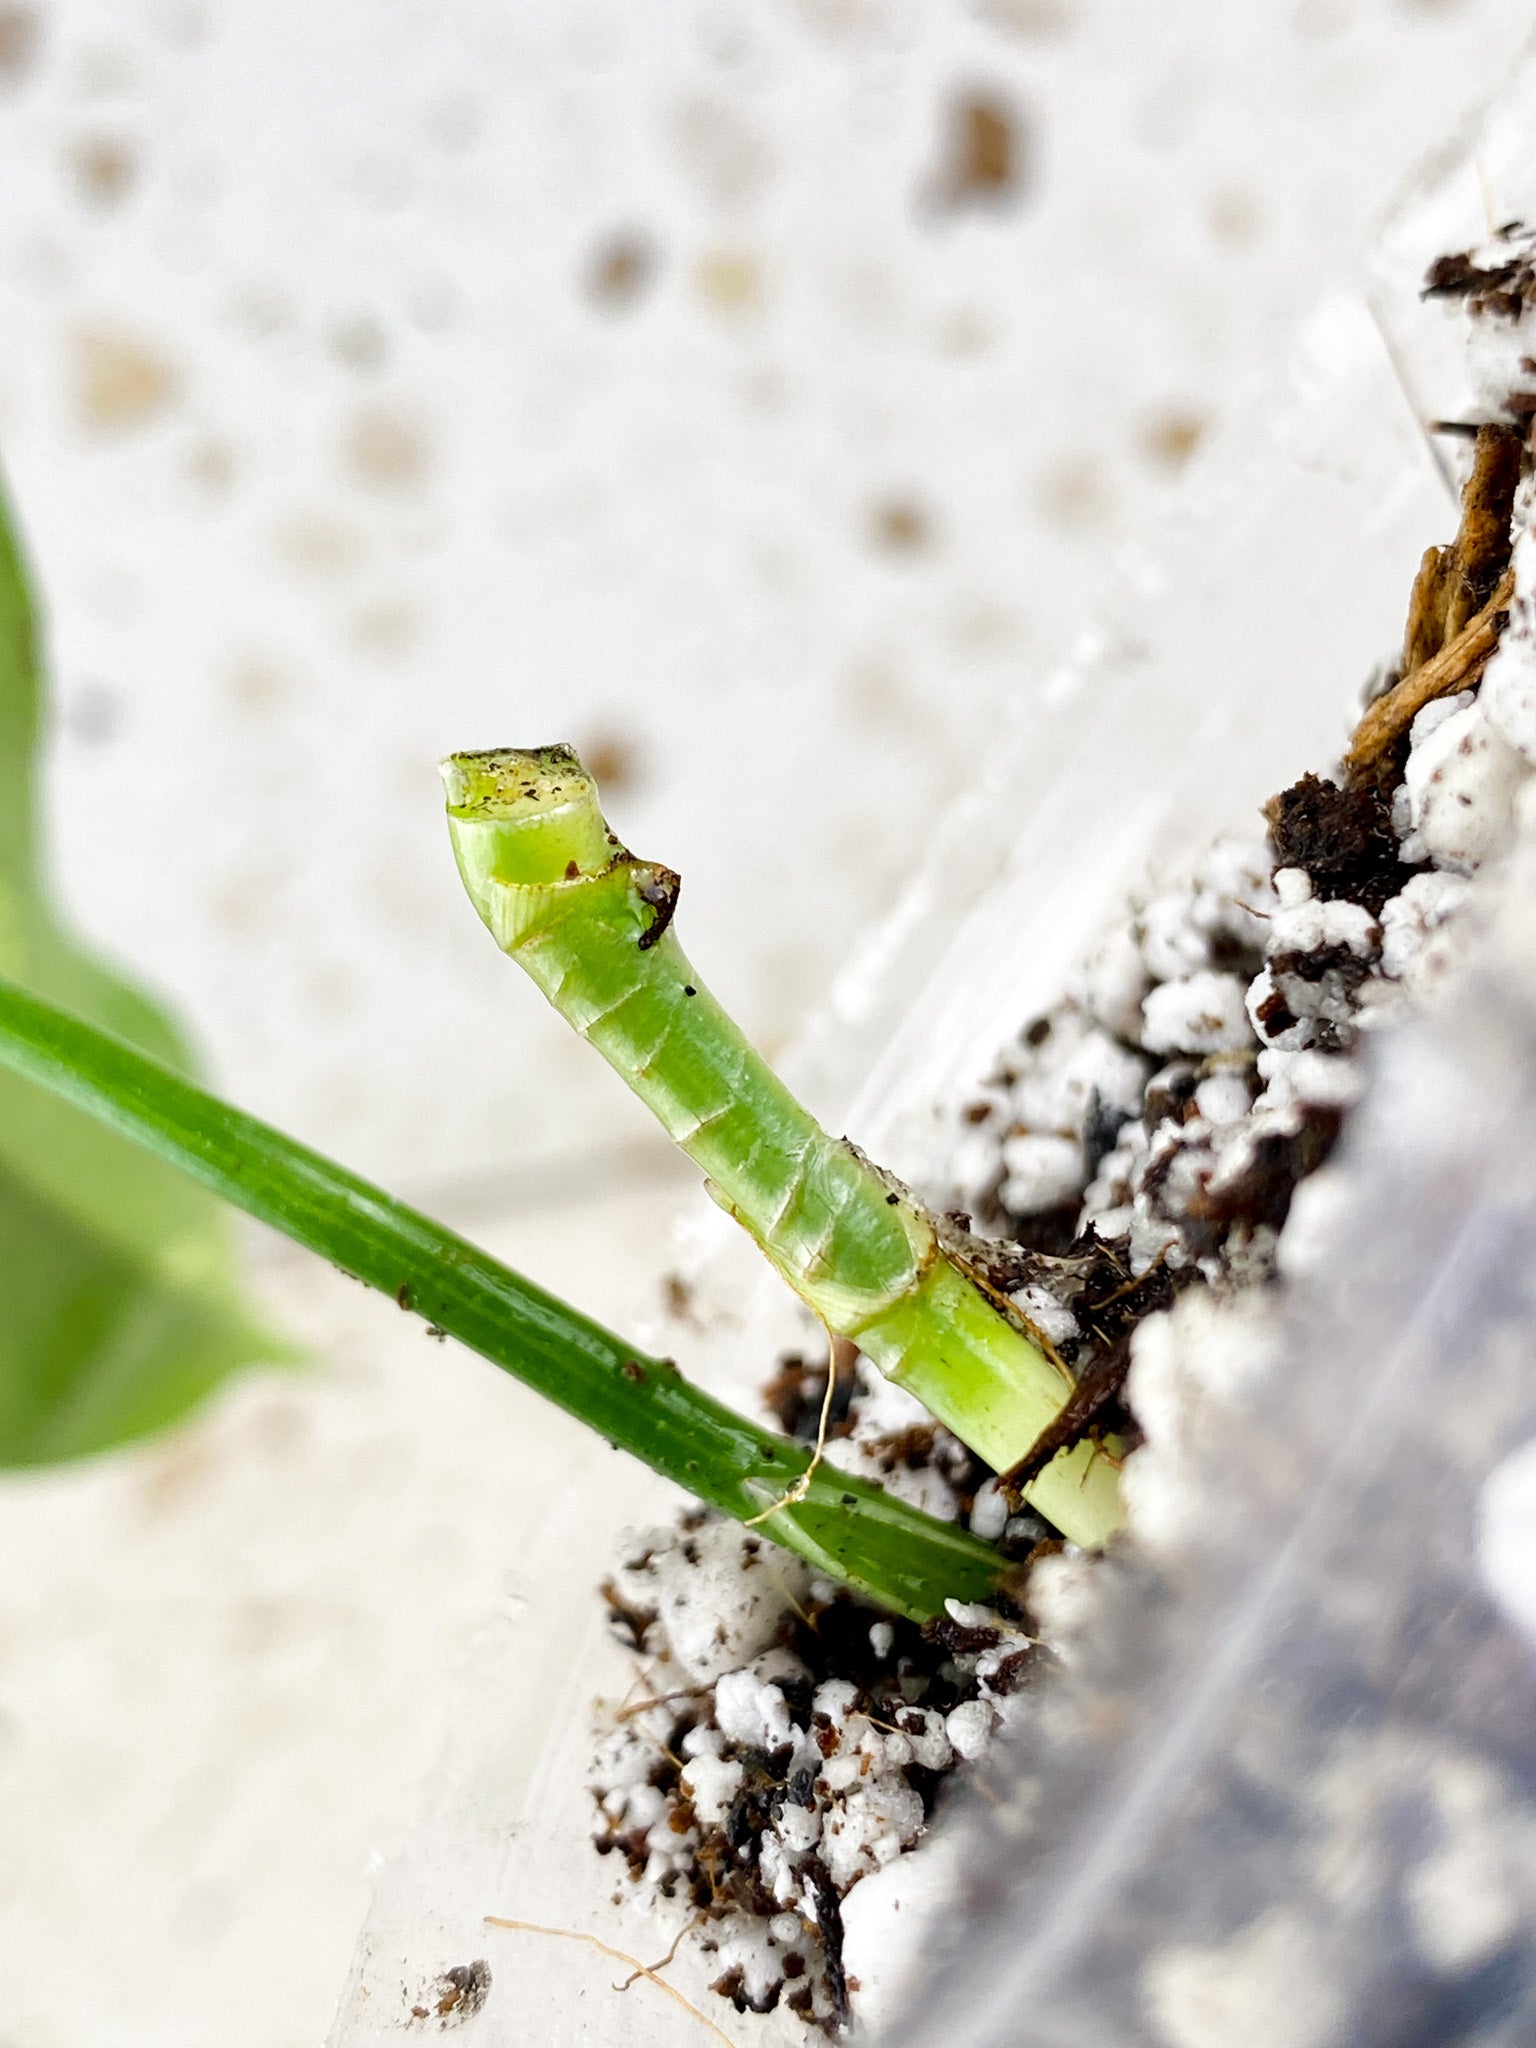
(1460, 782)
(1199, 1013)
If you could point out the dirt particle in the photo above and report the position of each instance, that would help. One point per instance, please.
(248, 903)
(1101, 1131)
(724, 154)
(628, 1620)
(658, 887)
(105, 168)
(979, 629)
(93, 713)
(433, 302)
(958, 1637)
(983, 160)
(612, 760)
(316, 544)
(463, 1989)
(1016, 1670)
(1234, 215)
(1261, 1192)
(794, 1395)
(454, 123)
(1073, 492)
(261, 308)
(387, 628)
(120, 383)
(174, 1474)
(183, 23)
(621, 271)
(1342, 838)
(677, 1298)
(20, 36)
(1033, 20)
(454, 1997)
(384, 449)
(1170, 438)
(899, 525)
(965, 331)
(730, 281)
(256, 682)
(359, 344)
(829, 1922)
(210, 464)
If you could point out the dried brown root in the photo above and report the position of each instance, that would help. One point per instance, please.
(632, 1963)
(1424, 634)
(1459, 663)
(1454, 613)
(1482, 549)
(1099, 1385)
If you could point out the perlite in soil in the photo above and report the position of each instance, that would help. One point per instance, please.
(1139, 1172)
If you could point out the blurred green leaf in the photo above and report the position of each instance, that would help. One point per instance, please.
(119, 1303)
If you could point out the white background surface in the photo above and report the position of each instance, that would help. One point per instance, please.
(331, 460)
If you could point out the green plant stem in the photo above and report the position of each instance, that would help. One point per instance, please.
(844, 1527)
(592, 925)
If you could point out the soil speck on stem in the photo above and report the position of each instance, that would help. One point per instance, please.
(984, 154)
(621, 271)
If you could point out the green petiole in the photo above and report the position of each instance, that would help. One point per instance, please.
(844, 1527)
(592, 925)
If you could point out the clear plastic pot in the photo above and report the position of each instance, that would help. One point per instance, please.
(1287, 1794)
(1239, 1777)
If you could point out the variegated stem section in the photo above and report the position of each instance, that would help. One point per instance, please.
(592, 925)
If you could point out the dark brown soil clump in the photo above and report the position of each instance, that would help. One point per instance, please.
(1342, 839)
